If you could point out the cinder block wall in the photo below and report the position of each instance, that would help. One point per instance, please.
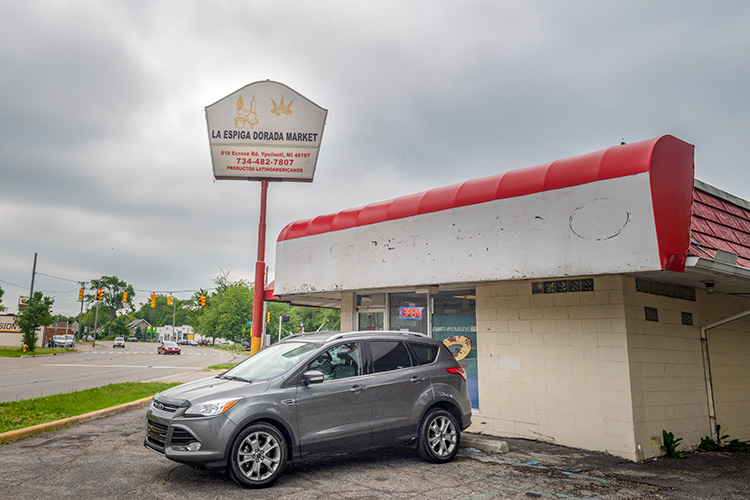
(555, 366)
(666, 365)
(667, 371)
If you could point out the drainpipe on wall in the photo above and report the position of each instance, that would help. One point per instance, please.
(707, 368)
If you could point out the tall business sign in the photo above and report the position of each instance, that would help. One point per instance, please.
(266, 132)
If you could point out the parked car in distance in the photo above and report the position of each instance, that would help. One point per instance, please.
(316, 393)
(192, 342)
(168, 347)
(132, 339)
(65, 341)
(119, 342)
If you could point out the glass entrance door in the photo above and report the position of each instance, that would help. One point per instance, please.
(370, 312)
(370, 320)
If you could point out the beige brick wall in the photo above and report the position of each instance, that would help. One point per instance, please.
(555, 366)
(667, 373)
(666, 364)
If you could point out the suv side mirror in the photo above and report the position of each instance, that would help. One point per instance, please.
(312, 377)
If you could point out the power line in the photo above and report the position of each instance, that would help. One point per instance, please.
(58, 278)
(12, 284)
(134, 289)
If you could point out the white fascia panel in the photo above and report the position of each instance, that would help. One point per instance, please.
(597, 228)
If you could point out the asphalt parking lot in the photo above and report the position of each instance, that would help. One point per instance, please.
(105, 458)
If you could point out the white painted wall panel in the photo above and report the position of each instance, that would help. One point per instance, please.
(601, 227)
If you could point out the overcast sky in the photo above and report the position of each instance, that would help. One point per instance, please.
(104, 157)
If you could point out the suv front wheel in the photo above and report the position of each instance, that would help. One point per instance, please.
(258, 456)
(439, 436)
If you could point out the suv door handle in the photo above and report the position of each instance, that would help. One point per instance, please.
(357, 389)
(416, 379)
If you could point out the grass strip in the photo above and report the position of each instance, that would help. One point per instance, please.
(17, 352)
(223, 366)
(28, 412)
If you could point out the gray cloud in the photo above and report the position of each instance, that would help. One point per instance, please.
(104, 161)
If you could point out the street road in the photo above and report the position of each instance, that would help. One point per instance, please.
(35, 376)
(106, 458)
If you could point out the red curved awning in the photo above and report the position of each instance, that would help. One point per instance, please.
(668, 160)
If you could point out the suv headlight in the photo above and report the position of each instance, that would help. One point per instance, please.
(210, 408)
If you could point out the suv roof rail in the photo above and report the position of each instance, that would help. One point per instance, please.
(337, 336)
(301, 334)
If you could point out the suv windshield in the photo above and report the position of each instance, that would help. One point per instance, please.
(272, 361)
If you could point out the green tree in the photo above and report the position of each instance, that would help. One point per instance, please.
(113, 290)
(120, 327)
(2, 292)
(229, 309)
(181, 310)
(37, 313)
(227, 312)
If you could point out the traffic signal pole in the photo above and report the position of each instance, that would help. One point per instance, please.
(260, 274)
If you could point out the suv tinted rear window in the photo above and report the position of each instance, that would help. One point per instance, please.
(387, 356)
(425, 353)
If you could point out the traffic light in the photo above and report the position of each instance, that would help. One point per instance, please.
(169, 300)
(124, 297)
(202, 301)
(268, 317)
(153, 300)
(99, 294)
(80, 294)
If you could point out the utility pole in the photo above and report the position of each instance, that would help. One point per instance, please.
(80, 325)
(33, 275)
(174, 313)
(96, 320)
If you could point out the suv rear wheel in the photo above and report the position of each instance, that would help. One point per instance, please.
(439, 436)
(258, 456)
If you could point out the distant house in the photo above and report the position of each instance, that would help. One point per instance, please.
(134, 325)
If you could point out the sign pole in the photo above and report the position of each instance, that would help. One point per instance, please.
(264, 132)
(260, 274)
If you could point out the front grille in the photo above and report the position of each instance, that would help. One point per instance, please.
(164, 406)
(156, 434)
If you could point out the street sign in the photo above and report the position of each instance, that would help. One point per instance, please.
(265, 131)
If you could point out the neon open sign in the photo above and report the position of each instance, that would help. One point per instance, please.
(410, 312)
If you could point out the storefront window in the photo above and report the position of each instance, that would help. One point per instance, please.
(408, 312)
(454, 321)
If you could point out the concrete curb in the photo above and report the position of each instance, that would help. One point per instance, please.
(486, 444)
(19, 434)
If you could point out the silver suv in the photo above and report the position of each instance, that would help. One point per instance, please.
(314, 394)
